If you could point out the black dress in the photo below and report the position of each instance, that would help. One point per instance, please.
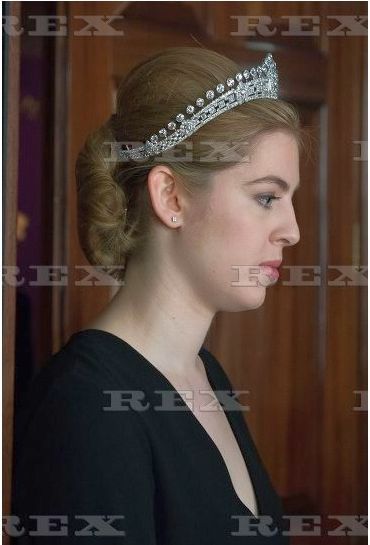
(107, 471)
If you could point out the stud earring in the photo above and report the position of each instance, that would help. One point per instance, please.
(173, 218)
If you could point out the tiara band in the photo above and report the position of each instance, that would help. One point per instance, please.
(257, 82)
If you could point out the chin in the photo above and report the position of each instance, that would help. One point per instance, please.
(255, 300)
(251, 299)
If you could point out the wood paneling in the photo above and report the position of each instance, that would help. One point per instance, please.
(11, 60)
(342, 424)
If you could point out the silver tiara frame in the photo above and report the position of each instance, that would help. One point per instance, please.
(257, 82)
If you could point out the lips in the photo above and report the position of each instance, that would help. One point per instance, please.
(270, 268)
(275, 264)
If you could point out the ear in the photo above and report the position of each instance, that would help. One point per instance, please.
(165, 195)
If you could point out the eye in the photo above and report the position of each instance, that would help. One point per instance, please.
(261, 199)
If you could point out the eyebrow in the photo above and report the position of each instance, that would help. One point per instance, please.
(273, 179)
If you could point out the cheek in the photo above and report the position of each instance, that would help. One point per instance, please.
(237, 236)
(221, 234)
(224, 244)
(232, 222)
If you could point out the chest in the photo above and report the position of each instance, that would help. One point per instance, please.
(209, 413)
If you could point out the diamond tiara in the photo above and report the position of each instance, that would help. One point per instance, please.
(257, 82)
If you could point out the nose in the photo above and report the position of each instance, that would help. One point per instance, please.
(288, 232)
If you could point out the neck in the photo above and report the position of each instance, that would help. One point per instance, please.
(160, 317)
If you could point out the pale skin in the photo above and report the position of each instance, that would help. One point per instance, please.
(171, 294)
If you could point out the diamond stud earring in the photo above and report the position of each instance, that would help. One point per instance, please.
(173, 218)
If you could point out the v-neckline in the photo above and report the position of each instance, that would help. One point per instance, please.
(198, 424)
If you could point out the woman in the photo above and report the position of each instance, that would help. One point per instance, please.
(130, 425)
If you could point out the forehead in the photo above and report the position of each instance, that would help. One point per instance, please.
(274, 154)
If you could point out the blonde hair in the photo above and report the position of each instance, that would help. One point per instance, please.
(148, 98)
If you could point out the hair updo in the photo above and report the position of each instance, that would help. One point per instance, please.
(150, 96)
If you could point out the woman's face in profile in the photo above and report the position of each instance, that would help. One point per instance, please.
(238, 225)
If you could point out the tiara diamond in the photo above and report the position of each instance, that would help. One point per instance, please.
(259, 82)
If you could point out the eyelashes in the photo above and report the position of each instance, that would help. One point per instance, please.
(261, 200)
